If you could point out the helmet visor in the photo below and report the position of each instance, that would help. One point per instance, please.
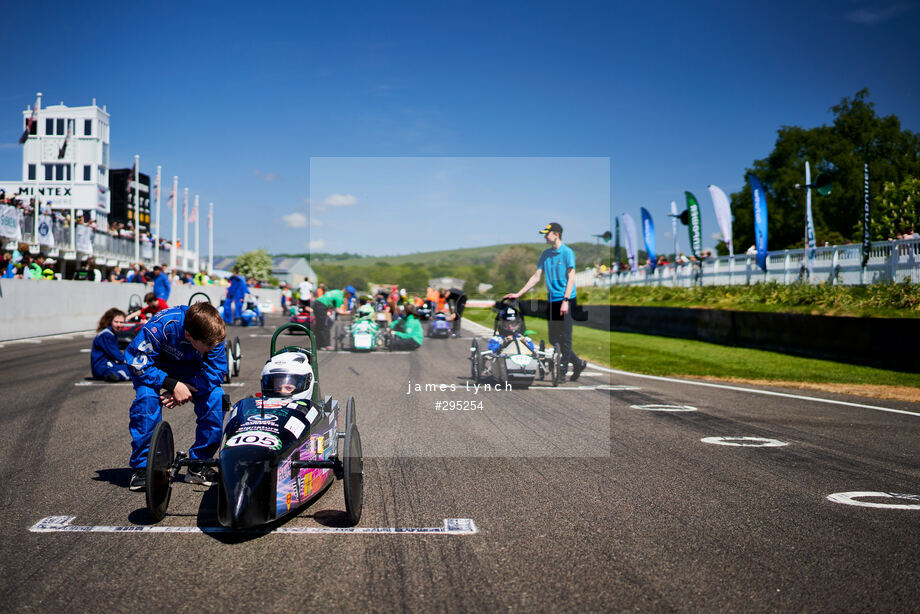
(284, 384)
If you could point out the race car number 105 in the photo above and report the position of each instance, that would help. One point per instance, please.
(254, 438)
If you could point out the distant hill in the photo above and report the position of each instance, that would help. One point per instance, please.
(585, 254)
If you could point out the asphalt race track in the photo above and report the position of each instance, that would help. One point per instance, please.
(578, 500)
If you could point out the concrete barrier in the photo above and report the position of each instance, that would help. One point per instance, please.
(32, 308)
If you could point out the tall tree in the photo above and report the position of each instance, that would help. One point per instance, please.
(256, 263)
(857, 136)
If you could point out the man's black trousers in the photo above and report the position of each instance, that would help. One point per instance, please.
(560, 330)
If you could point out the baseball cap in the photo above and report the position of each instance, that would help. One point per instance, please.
(350, 290)
(551, 227)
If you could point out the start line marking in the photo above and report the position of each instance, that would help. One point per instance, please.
(62, 524)
(850, 498)
(110, 384)
(659, 407)
(745, 442)
(599, 387)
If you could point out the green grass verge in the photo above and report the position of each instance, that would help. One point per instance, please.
(884, 300)
(667, 356)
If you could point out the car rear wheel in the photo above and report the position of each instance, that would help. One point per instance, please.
(237, 356)
(159, 460)
(475, 366)
(558, 367)
(541, 370)
(353, 469)
(228, 374)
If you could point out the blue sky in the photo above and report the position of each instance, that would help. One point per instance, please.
(237, 100)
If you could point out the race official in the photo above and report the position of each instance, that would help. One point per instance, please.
(324, 306)
(456, 302)
(161, 284)
(558, 263)
(407, 332)
(236, 292)
(177, 357)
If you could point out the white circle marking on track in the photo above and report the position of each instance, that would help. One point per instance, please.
(745, 442)
(659, 407)
(850, 498)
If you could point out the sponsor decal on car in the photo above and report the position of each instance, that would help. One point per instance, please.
(255, 438)
(258, 417)
(295, 426)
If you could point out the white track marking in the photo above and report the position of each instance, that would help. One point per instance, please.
(598, 387)
(365, 353)
(62, 524)
(850, 498)
(110, 384)
(745, 442)
(86, 350)
(64, 336)
(787, 395)
(663, 407)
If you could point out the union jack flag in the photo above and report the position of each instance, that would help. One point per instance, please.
(131, 178)
(29, 123)
(63, 148)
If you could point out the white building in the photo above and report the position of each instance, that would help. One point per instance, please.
(73, 176)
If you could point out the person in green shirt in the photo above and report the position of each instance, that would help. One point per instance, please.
(329, 303)
(407, 332)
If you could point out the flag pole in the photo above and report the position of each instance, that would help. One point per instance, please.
(211, 239)
(185, 230)
(197, 238)
(173, 253)
(156, 244)
(137, 211)
(38, 200)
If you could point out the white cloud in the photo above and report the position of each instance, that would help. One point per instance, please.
(295, 220)
(316, 245)
(873, 16)
(716, 235)
(269, 177)
(340, 200)
(315, 223)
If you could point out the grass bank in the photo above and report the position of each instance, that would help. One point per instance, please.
(888, 300)
(681, 357)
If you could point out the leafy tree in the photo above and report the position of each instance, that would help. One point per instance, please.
(898, 209)
(513, 266)
(256, 263)
(857, 136)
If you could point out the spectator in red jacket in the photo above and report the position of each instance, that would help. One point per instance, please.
(154, 305)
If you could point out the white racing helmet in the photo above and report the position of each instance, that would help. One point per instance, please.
(288, 374)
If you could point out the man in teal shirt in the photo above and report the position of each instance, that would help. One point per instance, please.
(331, 301)
(407, 332)
(558, 263)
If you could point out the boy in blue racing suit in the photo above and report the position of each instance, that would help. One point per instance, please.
(508, 325)
(180, 351)
(251, 313)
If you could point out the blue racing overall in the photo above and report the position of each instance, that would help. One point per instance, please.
(106, 358)
(160, 351)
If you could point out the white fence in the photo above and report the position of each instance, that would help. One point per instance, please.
(107, 249)
(836, 264)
